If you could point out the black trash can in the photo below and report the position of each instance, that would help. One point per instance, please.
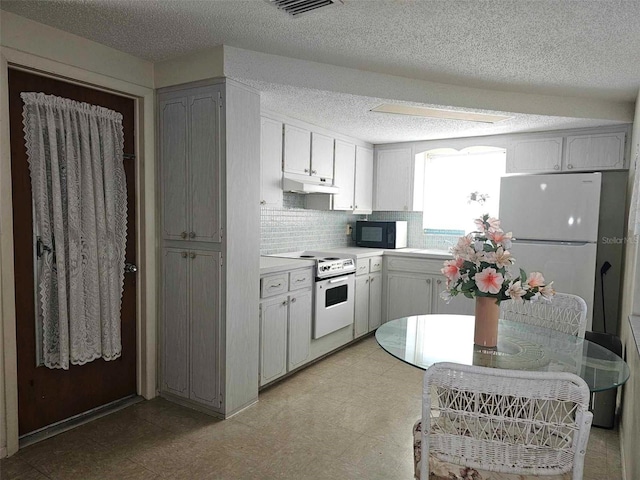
(603, 404)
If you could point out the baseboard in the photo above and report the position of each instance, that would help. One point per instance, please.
(3, 452)
(622, 456)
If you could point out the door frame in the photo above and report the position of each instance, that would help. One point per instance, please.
(146, 317)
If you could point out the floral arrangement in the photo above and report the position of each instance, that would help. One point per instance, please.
(480, 268)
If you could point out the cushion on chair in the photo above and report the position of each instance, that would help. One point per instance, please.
(439, 470)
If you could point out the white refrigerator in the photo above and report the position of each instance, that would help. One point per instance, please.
(554, 219)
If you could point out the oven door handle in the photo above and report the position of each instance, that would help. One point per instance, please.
(338, 280)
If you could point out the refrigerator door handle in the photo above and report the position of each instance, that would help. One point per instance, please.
(551, 242)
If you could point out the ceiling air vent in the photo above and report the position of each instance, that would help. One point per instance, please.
(295, 8)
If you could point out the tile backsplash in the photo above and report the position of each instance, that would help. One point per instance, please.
(293, 228)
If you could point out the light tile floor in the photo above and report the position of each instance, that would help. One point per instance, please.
(346, 417)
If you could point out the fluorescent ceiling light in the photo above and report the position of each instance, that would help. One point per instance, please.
(438, 113)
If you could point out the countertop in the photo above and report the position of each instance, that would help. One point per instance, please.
(363, 252)
(279, 264)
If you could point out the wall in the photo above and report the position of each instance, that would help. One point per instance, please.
(292, 228)
(35, 46)
(630, 420)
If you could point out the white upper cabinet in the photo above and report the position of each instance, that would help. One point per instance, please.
(395, 189)
(538, 155)
(271, 162)
(190, 164)
(345, 162)
(584, 152)
(595, 152)
(321, 155)
(297, 150)
(363, 195)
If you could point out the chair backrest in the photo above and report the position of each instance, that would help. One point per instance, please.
(509, 421)
(566, 313)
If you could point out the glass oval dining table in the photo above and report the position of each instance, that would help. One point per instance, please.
(423, 340)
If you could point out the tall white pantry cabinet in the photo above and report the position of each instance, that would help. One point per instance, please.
(209, 175)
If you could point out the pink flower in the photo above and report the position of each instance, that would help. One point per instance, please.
(451, 270)
(503, 258)
(489, 280)
(501, 238)
(547, 291)
(535, 279)
(494, 224)
(479, 224)
(515, 291)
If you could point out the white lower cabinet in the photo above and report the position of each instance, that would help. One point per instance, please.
(408, 294)
(191, 325)
(285, 324)
(414, 288)
(300, 314)
(368, 296)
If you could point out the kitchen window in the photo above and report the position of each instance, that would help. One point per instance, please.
(459, 186)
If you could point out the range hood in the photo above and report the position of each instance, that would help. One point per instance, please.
(306, 184)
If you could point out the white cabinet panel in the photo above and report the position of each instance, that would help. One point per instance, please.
(321, 155)
(459, 305)
(205, 326)
(394, 180)
(271, 162)
(361, 323)
(375, 301)
(273, 339)
(297, 150)
(204, 155)
(345, 163)
(300, 314)
(595, 152)
(535, 155)
(173, 151)
(175, 366)
(363, 195)
(408, 294)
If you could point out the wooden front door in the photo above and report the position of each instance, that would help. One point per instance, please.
(47, 396)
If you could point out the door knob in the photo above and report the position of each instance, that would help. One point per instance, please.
(130, 268)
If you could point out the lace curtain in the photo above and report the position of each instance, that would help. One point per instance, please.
(75, 153)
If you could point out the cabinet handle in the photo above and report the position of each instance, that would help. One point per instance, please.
(284, 302)
(306, 170)
(192, 255)
(298, 280)
(351, 207)
(263, 202)
(556, 167)
(183, 234)
(439, 282)
(277, 285)
(356, 206)
(372, 280)
(293, 300)
(184, 254)
(428, 281)
(366, 281)
(192, 234)
(570, 166)
(314, 171)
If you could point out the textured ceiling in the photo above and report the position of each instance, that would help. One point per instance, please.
(555, 47)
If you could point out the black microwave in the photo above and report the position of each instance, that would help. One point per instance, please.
(381, 234)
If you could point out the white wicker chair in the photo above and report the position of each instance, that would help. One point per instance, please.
(505, 421)
(566, 313)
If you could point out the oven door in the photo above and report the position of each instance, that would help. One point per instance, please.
(333, 304)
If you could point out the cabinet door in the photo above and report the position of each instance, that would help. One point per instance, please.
(375, 301)
(204, 164)
(173, 166)
(363, 196)
(595, 152)
(321, 155)
(299, 328)
(205, 327)
(535, 156)
(408, 294)
(361, 323)
(271, 162)
(459, 305)
(273, 339)
(394, 180)
(297, 150)
(345, 164)
(175, 324)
